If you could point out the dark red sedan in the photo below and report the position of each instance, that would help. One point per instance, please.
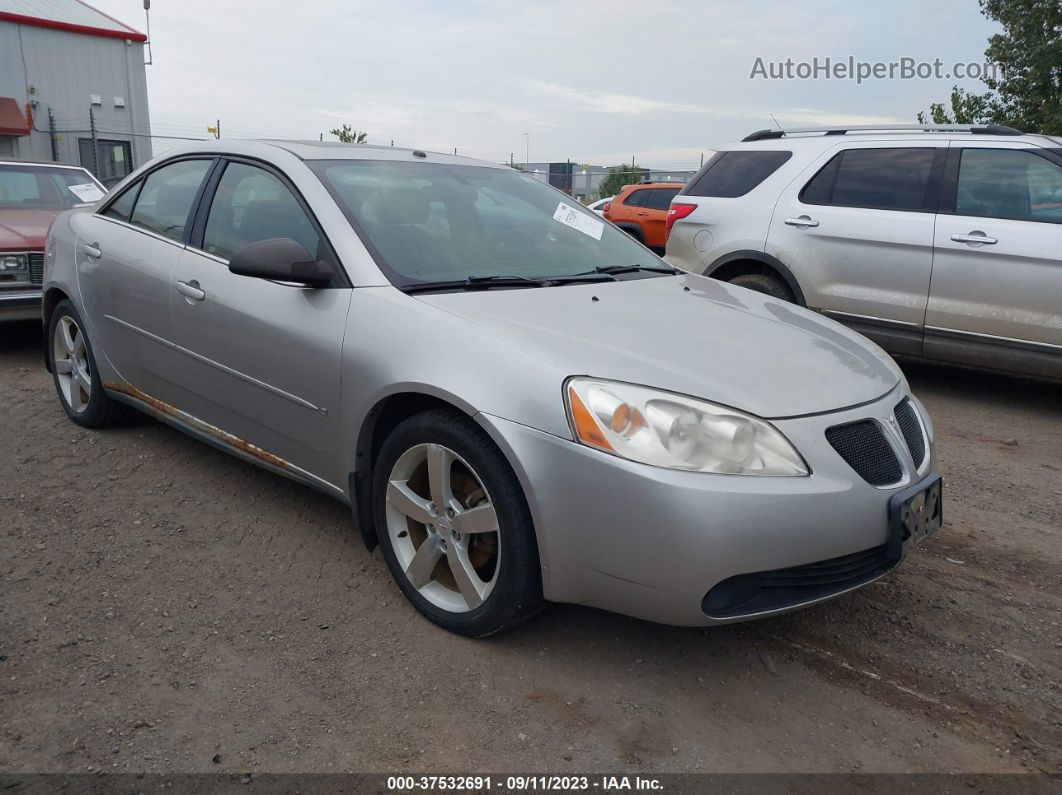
(31, 195)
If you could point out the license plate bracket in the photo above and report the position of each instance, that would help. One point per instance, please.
(914, 515)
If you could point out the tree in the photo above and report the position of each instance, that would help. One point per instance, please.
(617, 177)
(1025, 88)
(347, 135)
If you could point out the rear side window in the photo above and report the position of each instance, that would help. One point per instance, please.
(660, 198)
(636, 198)
(731, 174)
(165, 201)
(1007, 183)
(880, 179)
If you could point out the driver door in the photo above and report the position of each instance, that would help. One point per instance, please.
(262, 358)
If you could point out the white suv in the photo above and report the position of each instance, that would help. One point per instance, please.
(943, 242)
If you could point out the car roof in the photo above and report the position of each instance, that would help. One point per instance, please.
(47, 163)
(325, 150)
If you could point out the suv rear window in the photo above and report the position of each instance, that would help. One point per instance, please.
(731, 174)
(636, 198)
(879, 179)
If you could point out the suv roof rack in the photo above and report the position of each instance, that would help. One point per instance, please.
(987, 129)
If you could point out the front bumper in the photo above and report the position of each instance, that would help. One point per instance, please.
(20, 304)
(652, 543)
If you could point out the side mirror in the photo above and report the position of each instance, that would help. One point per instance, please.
(280, 259)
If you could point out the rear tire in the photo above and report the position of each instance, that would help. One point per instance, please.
(768, 285)
(470, 564)
(74, 371)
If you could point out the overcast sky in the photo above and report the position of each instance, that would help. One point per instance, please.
(593, 81)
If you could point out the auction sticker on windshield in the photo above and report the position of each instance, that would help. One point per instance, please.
(87, 192)
(569, 216)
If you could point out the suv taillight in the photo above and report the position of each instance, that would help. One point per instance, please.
(675, 212)
(605, 208)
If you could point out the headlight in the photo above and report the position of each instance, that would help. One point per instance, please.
(12, 263)
(668, 430)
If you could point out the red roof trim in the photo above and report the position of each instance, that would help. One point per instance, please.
(70, 27)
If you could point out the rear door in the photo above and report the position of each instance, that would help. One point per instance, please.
(856, 228)
(126, 255)
(654, 221)
(996, 297)
(262, 358)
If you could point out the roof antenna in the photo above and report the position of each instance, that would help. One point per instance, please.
(147, 19)
(776, 124)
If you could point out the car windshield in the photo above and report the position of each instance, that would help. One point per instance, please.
(435, 222)
(29, 187)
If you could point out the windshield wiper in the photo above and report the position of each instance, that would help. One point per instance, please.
(614, 269)
(475, 283)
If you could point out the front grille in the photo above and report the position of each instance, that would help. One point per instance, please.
(36, 266)
(863, 445)
(747, 594)
(907, 419)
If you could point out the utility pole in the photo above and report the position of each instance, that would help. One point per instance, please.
(218, 129)
(702, 159)
(527, 148)
(455, 150)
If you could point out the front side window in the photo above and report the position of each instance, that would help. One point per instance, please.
(660, 198)
(27, 187)
(729, 175)
(251, 205)
(1009, 183)
(429, 222)
(881, 179)
(165, 201)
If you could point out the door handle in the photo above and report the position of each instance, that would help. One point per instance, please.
(92, 249)
(642, 213)
(803, 222)
(976, 237)
(191, 290)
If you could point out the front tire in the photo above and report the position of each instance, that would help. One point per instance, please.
(74, 371)
(454, 525)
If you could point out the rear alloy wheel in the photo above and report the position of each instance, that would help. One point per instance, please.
(74, 371)
(456, 534)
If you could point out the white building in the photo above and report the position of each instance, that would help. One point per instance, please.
(66, 68)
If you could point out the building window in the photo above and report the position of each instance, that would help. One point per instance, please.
(114, 159)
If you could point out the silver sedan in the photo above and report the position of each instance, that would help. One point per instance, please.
(519, 402)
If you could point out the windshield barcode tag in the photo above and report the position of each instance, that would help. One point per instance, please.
(569, 216)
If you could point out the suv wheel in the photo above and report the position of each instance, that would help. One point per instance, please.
(454, 526)
(763, 283)
(74, 371)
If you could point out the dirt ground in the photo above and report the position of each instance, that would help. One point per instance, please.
(165, 607)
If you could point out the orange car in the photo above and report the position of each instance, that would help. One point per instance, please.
(641, 210)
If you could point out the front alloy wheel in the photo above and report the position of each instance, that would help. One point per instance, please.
(454, 525)
(70, 360)
(443, 528)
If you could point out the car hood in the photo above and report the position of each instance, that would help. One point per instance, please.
(25, 229)
(686, 334)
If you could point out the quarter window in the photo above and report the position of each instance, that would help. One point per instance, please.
(1009, 183)
(165, 201)
(881, 179)
(252, 205)
(122, 207)
(731, 174)
(636, 198)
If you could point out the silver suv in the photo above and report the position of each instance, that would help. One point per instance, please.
(943, 242)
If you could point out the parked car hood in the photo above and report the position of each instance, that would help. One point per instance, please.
(24, 229)
(686, 334)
